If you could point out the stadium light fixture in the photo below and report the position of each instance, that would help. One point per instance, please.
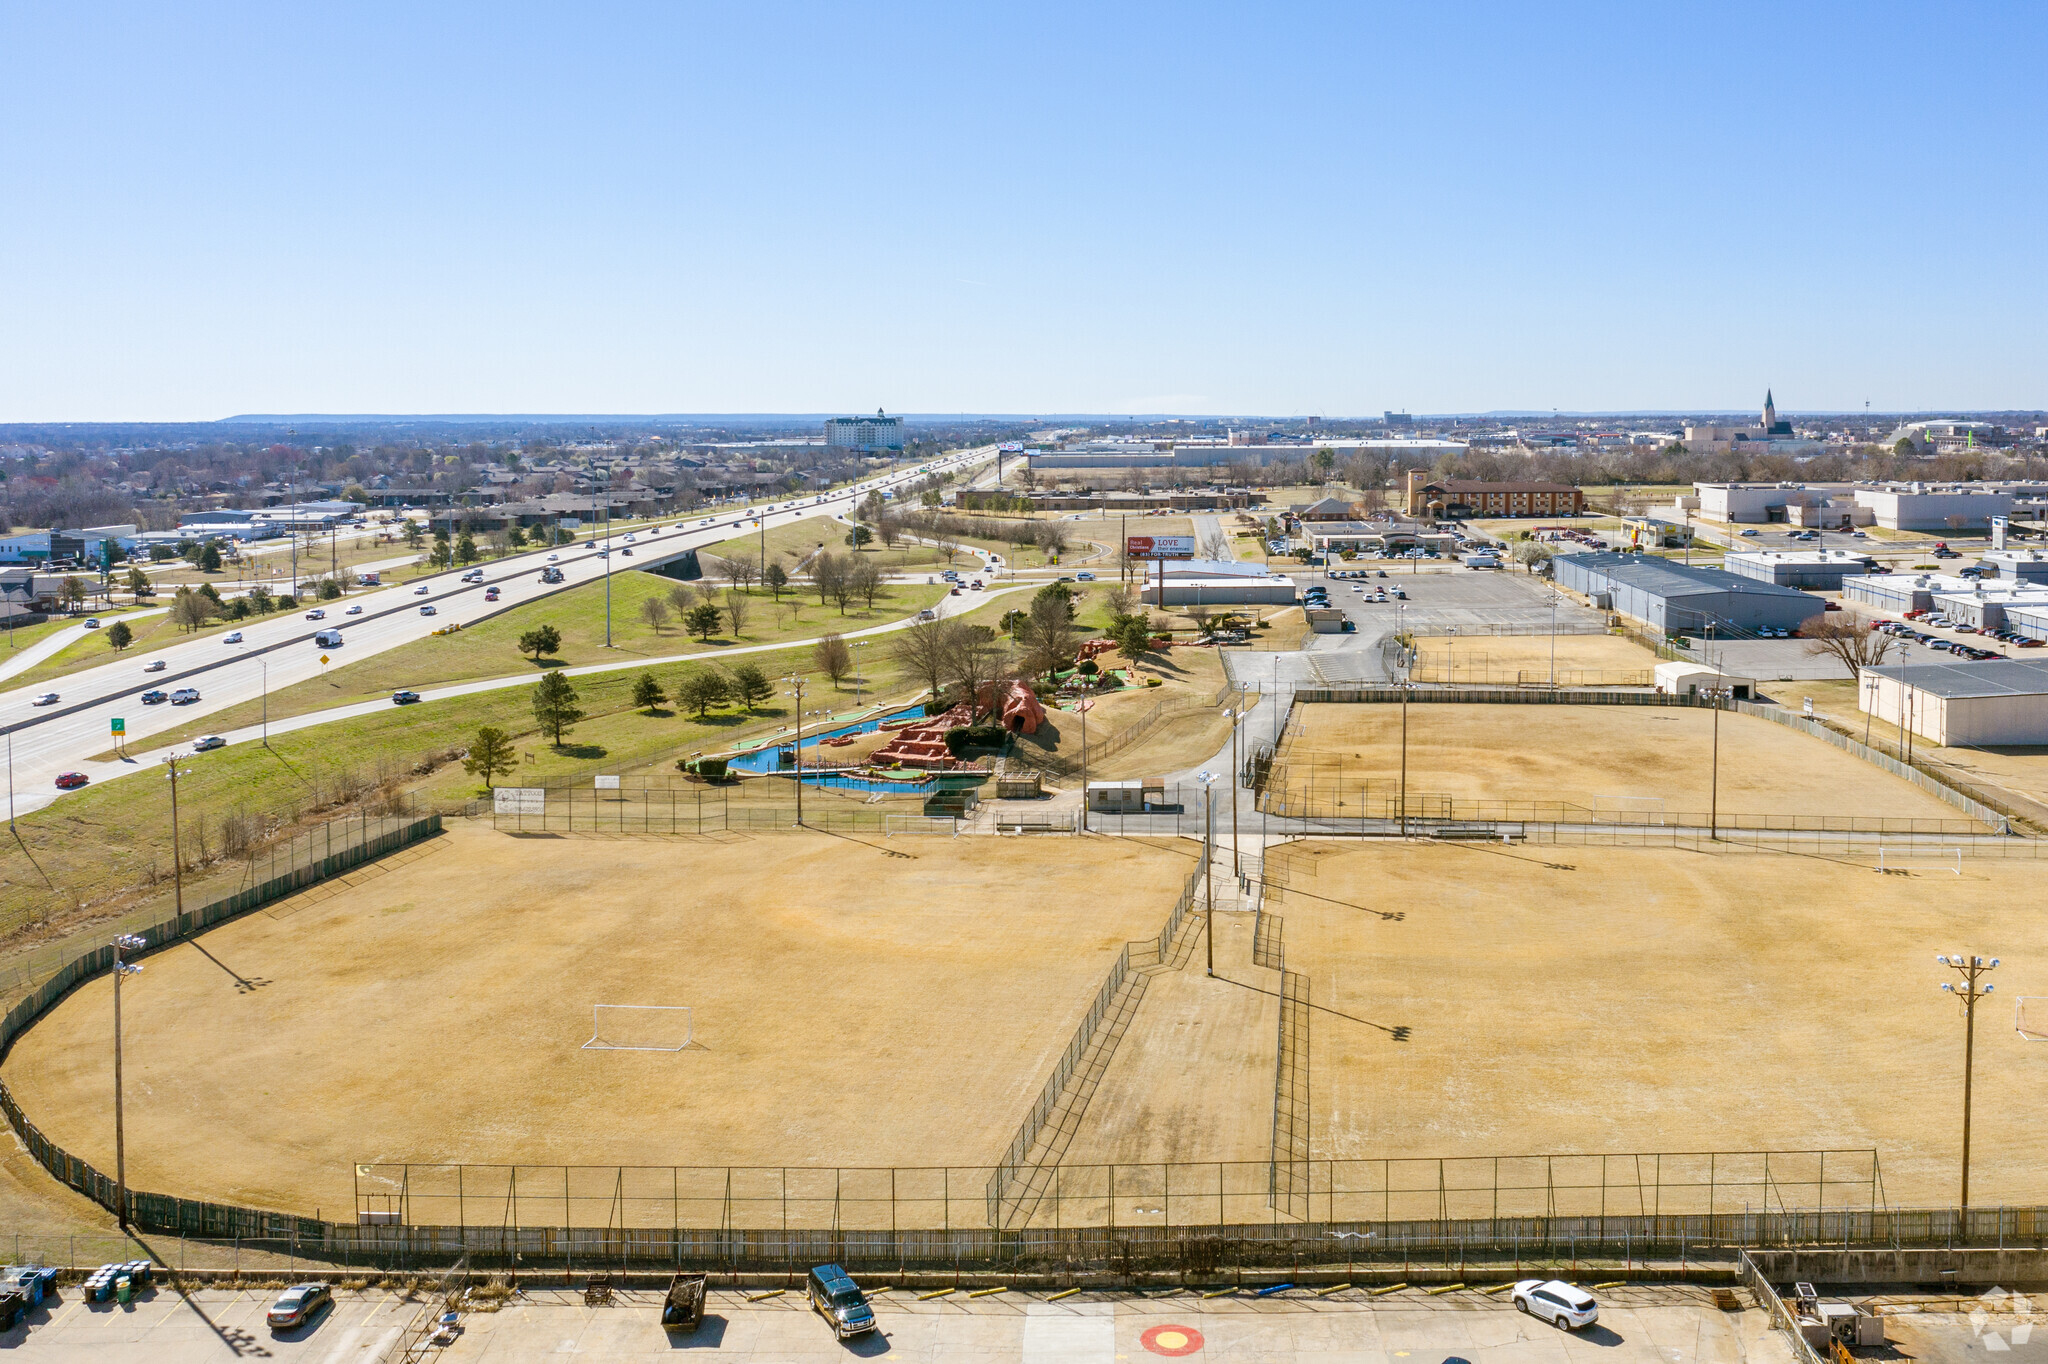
(796, 690)
(1970, 988)
(1208, 868)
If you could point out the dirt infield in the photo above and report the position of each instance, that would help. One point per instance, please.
(857, 1002)
(1590, 755)
(1568, 999)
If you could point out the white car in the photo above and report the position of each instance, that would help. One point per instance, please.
(211, 741)
(1556, 1302)
(232, 637)
(48, 698)
(155, 665)
(421, 590)
(428, 611)
(553, 557)
(629, 539)
(354, 611)
(316, 614)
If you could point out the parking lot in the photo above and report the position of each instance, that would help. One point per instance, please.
(1640, 1324)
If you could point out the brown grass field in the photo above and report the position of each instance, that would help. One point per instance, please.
(857, 1002)
(1580, 754)
(1505, 660)
(1566, 999)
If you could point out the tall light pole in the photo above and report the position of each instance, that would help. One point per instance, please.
(1208, 870)
(858, 644)
(796, 690)
(1405, 685)
(264, 664)
(128, 942)
(1236, 776)
(1969, 992)
(1717, 695)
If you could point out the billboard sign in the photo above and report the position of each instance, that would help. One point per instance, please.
(1160, 546)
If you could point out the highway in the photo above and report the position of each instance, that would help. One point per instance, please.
(279, 651)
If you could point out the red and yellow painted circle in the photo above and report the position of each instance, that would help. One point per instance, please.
(1172, 1341)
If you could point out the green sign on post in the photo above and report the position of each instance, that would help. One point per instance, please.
(120, 726)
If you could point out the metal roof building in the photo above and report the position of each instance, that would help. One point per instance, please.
(1819, 569)
(1998, 701)
(1680, 600)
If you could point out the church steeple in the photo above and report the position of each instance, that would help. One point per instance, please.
(1770, 411)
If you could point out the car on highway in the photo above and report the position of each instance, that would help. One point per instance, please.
(490, 594)
(316, 614)
(428, 611)
(232, 637)
(553, 557)
(155, 698)
(404, 698)
(353, 611)
(155, 665)
(627, 552)
(421, 590)
(1556, 1302)
(92, 622)
(48, 698)
(629, 539)
(298, 1305)
(184, 696)
(71, 781)
(208, 744)
(1749, 532)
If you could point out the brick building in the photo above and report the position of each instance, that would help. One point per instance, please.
(1459, 498)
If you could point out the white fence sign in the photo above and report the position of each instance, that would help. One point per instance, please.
(607, 783)
(519, 800)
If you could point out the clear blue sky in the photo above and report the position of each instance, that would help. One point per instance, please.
(1275, 209)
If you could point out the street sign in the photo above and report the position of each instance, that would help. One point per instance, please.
(323, 659)
(120, 726)
(1160, 546)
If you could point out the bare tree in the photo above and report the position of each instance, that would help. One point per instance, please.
(737, 606)
(1848, 639)
(889, 529)
(828, 575)
(833, 657)
(975, 662)
(864, 579)
(923, 649)
(655, 611)
(1050, 536)
(682, 597)
(739, 570)
(1119, 602)
(1047, 633)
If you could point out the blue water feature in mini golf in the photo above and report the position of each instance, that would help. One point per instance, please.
(768, 759)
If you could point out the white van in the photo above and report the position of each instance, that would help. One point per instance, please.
(328, 639)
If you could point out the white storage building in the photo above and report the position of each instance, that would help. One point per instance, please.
(1996, 702)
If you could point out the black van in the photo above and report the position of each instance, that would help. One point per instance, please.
(833, 1293)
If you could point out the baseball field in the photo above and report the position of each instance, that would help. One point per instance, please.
(1561, 999)
(1592, 757)
(855, 1001)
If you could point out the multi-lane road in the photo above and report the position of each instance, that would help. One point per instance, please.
(42, 742)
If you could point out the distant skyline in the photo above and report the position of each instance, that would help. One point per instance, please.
(1189, 210)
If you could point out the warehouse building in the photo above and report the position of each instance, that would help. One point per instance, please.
(1996, 604)
(1222, 589)
(2018, 565)
(1998, 701)
(1949, 506)
(1680, 600)
(1817, 570)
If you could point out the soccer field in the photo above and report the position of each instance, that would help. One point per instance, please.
(855, 1001)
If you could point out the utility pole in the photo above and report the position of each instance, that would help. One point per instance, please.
(177, 857)
(796, 689)
(1969, 992)
(1714, 782)
(1405, 684)
(1208, 870)
(264, 664)
(1084, 763)
(1236, 776)
(121, 968)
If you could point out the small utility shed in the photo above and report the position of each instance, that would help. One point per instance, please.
(1689, 679)
(1996, 702)
(1677, 599)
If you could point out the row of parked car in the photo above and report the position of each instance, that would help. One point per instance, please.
(1901, 630)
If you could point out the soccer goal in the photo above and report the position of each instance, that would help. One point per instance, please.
(2030, 1017)
(639, 1027)
(1904, 861)
(1629, 809)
